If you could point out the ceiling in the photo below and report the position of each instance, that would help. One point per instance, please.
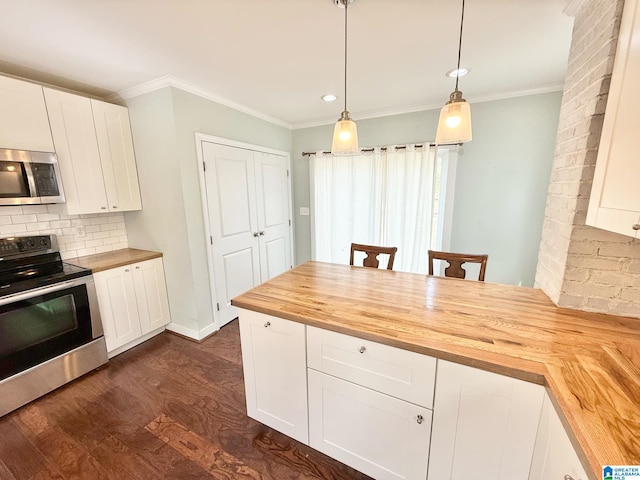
(276, 58)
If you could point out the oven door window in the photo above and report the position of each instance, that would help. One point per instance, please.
(35, 330)
(13, 180)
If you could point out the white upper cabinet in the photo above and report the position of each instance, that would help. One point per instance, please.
(23, 122)
(95, 151)
(76, 145)
(615, 196)
(116, 154)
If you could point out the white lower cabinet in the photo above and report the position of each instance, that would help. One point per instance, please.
(377, 434)
(370, 404)
(484, 425)
(133, 303)
(275, 372)
(554, 456)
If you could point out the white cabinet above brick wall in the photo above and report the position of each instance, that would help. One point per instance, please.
(615, 196)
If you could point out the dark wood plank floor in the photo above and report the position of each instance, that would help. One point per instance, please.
(169, 408)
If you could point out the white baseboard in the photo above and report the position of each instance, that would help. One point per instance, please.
(191, 333)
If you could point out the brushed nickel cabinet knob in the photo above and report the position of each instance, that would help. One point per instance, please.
(636, 226)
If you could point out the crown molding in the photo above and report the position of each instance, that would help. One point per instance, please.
(169, 81)
(422, 107)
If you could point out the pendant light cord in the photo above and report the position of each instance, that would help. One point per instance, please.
(459, 45)
(346, 3)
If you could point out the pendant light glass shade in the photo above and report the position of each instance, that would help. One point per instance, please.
(454, 125)
(345, 136)
(345, 133)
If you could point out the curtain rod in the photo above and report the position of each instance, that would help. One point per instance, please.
(383, 149)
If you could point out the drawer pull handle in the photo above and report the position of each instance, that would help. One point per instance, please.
(126, 269)
(420, 419)
(268, 324)
(362, 349)
(636, 226)
(568, 477)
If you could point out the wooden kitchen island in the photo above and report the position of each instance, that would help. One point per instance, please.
(588, 363)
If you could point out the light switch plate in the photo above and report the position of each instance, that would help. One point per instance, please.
(304, 211)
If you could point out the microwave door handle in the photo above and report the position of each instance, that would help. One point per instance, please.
(16, 297)
(31, 179)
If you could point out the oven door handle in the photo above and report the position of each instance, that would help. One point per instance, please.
(16, 297)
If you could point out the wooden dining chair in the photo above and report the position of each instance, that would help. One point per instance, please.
(372, 251)
(455, 261)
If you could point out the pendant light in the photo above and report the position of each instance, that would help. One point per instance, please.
(345, 133)
(454, 125)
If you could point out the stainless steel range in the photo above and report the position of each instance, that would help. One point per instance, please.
(50, 327)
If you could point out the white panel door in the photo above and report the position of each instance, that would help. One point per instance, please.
(76, 145)
(275, 372)
(379, 435)
(484, 424)
(231, 202)
(23, 122)
(272, 194)
(151, 294)
(118, 306)
(115, 143)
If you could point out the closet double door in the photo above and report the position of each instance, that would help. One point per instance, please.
(248, 203)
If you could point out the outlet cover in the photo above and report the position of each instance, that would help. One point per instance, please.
(304, 211)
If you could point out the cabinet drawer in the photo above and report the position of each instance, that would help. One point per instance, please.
(402, 374)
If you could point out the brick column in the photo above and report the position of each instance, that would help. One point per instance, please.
(580, 266)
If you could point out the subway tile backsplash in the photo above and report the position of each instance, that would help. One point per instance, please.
(77, 235)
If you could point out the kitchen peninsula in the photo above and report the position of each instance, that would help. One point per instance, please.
(589, 364)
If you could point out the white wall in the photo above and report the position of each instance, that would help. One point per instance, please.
(164, 124)
(501, 182)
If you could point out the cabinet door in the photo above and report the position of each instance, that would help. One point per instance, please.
(615, 196)
(272, 196)
(118, 306)
(76, 145)
(151, 294)
(23, 124)
(275, 372)
(554, 456)
(379, 435)
(484, 424)
(115, 144)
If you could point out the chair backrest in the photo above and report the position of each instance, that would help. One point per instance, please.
(455, 261)
(372, 251)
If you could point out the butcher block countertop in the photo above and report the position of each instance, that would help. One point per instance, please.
(114, 259)
(589, 363)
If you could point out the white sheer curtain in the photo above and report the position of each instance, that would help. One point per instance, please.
(388, 197)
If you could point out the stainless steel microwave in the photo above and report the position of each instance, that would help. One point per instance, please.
(29, 178)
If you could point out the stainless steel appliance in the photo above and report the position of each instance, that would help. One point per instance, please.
(29, 178)
(50, 327)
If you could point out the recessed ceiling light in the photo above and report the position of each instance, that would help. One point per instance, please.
(457, 72)
(329, 97)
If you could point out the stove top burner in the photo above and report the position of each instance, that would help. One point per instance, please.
(32, 262)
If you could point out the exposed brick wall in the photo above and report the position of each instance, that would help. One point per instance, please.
(580, 266)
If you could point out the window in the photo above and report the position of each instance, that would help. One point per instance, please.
(394, 196)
